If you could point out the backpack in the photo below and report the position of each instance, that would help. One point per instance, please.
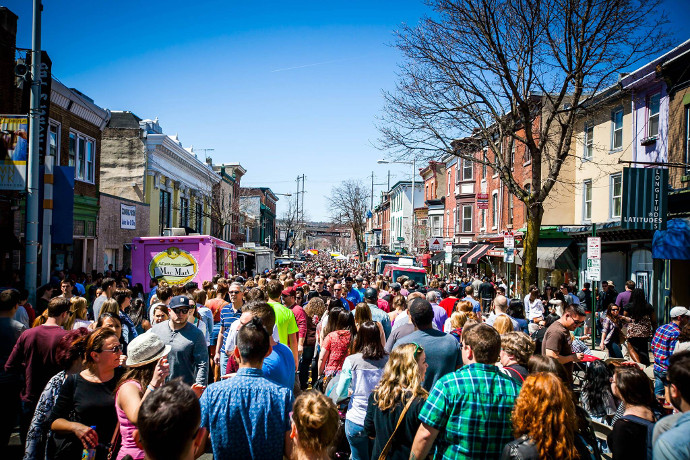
(650, 431)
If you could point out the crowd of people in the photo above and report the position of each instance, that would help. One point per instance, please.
(335, 361)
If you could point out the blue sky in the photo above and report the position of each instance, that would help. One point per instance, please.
(284, 88)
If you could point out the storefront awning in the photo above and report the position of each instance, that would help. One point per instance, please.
(476, 253)
(554, 253)
(438, 258)
(674, 242)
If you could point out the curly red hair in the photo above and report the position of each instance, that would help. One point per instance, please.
(545, 412)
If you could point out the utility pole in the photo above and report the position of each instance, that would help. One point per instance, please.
(32, 204)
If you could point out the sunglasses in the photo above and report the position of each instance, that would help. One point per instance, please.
(234, 292)
(418, 350)
(115, 349)
(181, 310)
(579, 323)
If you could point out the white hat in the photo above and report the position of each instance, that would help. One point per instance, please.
(145, 349)
(679, 311)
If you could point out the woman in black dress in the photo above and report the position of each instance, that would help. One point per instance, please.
(86, 400)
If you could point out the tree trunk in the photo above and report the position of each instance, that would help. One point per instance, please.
(535, 213)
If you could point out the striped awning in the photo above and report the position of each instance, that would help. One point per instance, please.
(476, 253)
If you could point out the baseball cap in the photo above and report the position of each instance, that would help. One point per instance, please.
(396, 286)
(181, 301)
(289, 292)
(679, 311)
(359, 278)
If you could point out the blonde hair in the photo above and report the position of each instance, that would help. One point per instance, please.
(503, 324)
(41, 319)
(466, 307)
(315, 307)
(458, 319)
(400, 378)
(518, 345)
(110, 306)
(77, 310)
(316, 419)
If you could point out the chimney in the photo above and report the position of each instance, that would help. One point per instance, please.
(8, 42)
(209, 161)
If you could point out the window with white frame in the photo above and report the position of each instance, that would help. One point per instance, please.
(653, 105)
(54, 141)
(436, 225)
(617, 129)
(587, 200)
(467, 219)
(512, 156)
(467, 169)
(616, 187)
(456, 221)
(494, 210)
(483, 220)
(510, 208)
(450, 183)
(588, 143)
(82, 155)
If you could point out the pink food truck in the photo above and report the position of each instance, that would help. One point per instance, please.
(179, 259)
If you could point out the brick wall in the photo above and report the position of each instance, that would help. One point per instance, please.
(110, 235)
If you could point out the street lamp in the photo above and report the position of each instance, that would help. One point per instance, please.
(414, 168)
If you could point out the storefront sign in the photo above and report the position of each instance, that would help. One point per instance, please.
(509, 240)
(435, 244)
(14, 151)
(645, 196)
(128, 216)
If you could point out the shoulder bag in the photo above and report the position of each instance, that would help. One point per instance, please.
(387, 447)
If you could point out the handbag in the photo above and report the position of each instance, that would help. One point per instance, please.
(114, 445)
(387, 447)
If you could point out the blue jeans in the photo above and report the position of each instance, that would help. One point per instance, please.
(359, 441)
(223, 362)
(614, 350)
(659, 383)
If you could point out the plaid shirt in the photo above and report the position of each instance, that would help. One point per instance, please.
(471, 408)
(663, 343)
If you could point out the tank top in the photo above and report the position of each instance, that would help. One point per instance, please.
(129, 447)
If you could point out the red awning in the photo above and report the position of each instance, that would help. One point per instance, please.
(476, 253)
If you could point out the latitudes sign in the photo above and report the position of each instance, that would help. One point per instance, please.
(645, 195)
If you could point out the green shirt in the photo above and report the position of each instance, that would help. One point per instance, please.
(471, 408)
(285, 321)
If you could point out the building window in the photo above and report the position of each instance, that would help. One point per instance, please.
(54, 142)
(436, 225)
(616, 195)
(82, 156)
(587, 200)
(617, 129)
(527, 156)
(184, 212)
(512, 156)
(467, 219)
(467, 169)
(486, 159)
(494, 210)
(589, 143)
(164, 216)
(449, 184)
(199, 215)
(653, 114)
(456, 221)
(483, 219)
(510, 208)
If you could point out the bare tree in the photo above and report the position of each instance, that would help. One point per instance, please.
(349, 204)
(481, 75)
(292, 223)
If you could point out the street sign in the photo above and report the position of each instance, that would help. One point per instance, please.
(448, 257)
(508, 255)
(449, 247)
(435, 244)
(594, 269)
(509, 240)
(594, 247)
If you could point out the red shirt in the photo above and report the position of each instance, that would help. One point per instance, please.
(447, 304)
(34, 355)
(337, 343)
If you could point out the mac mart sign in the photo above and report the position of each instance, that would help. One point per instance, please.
(645, 197)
